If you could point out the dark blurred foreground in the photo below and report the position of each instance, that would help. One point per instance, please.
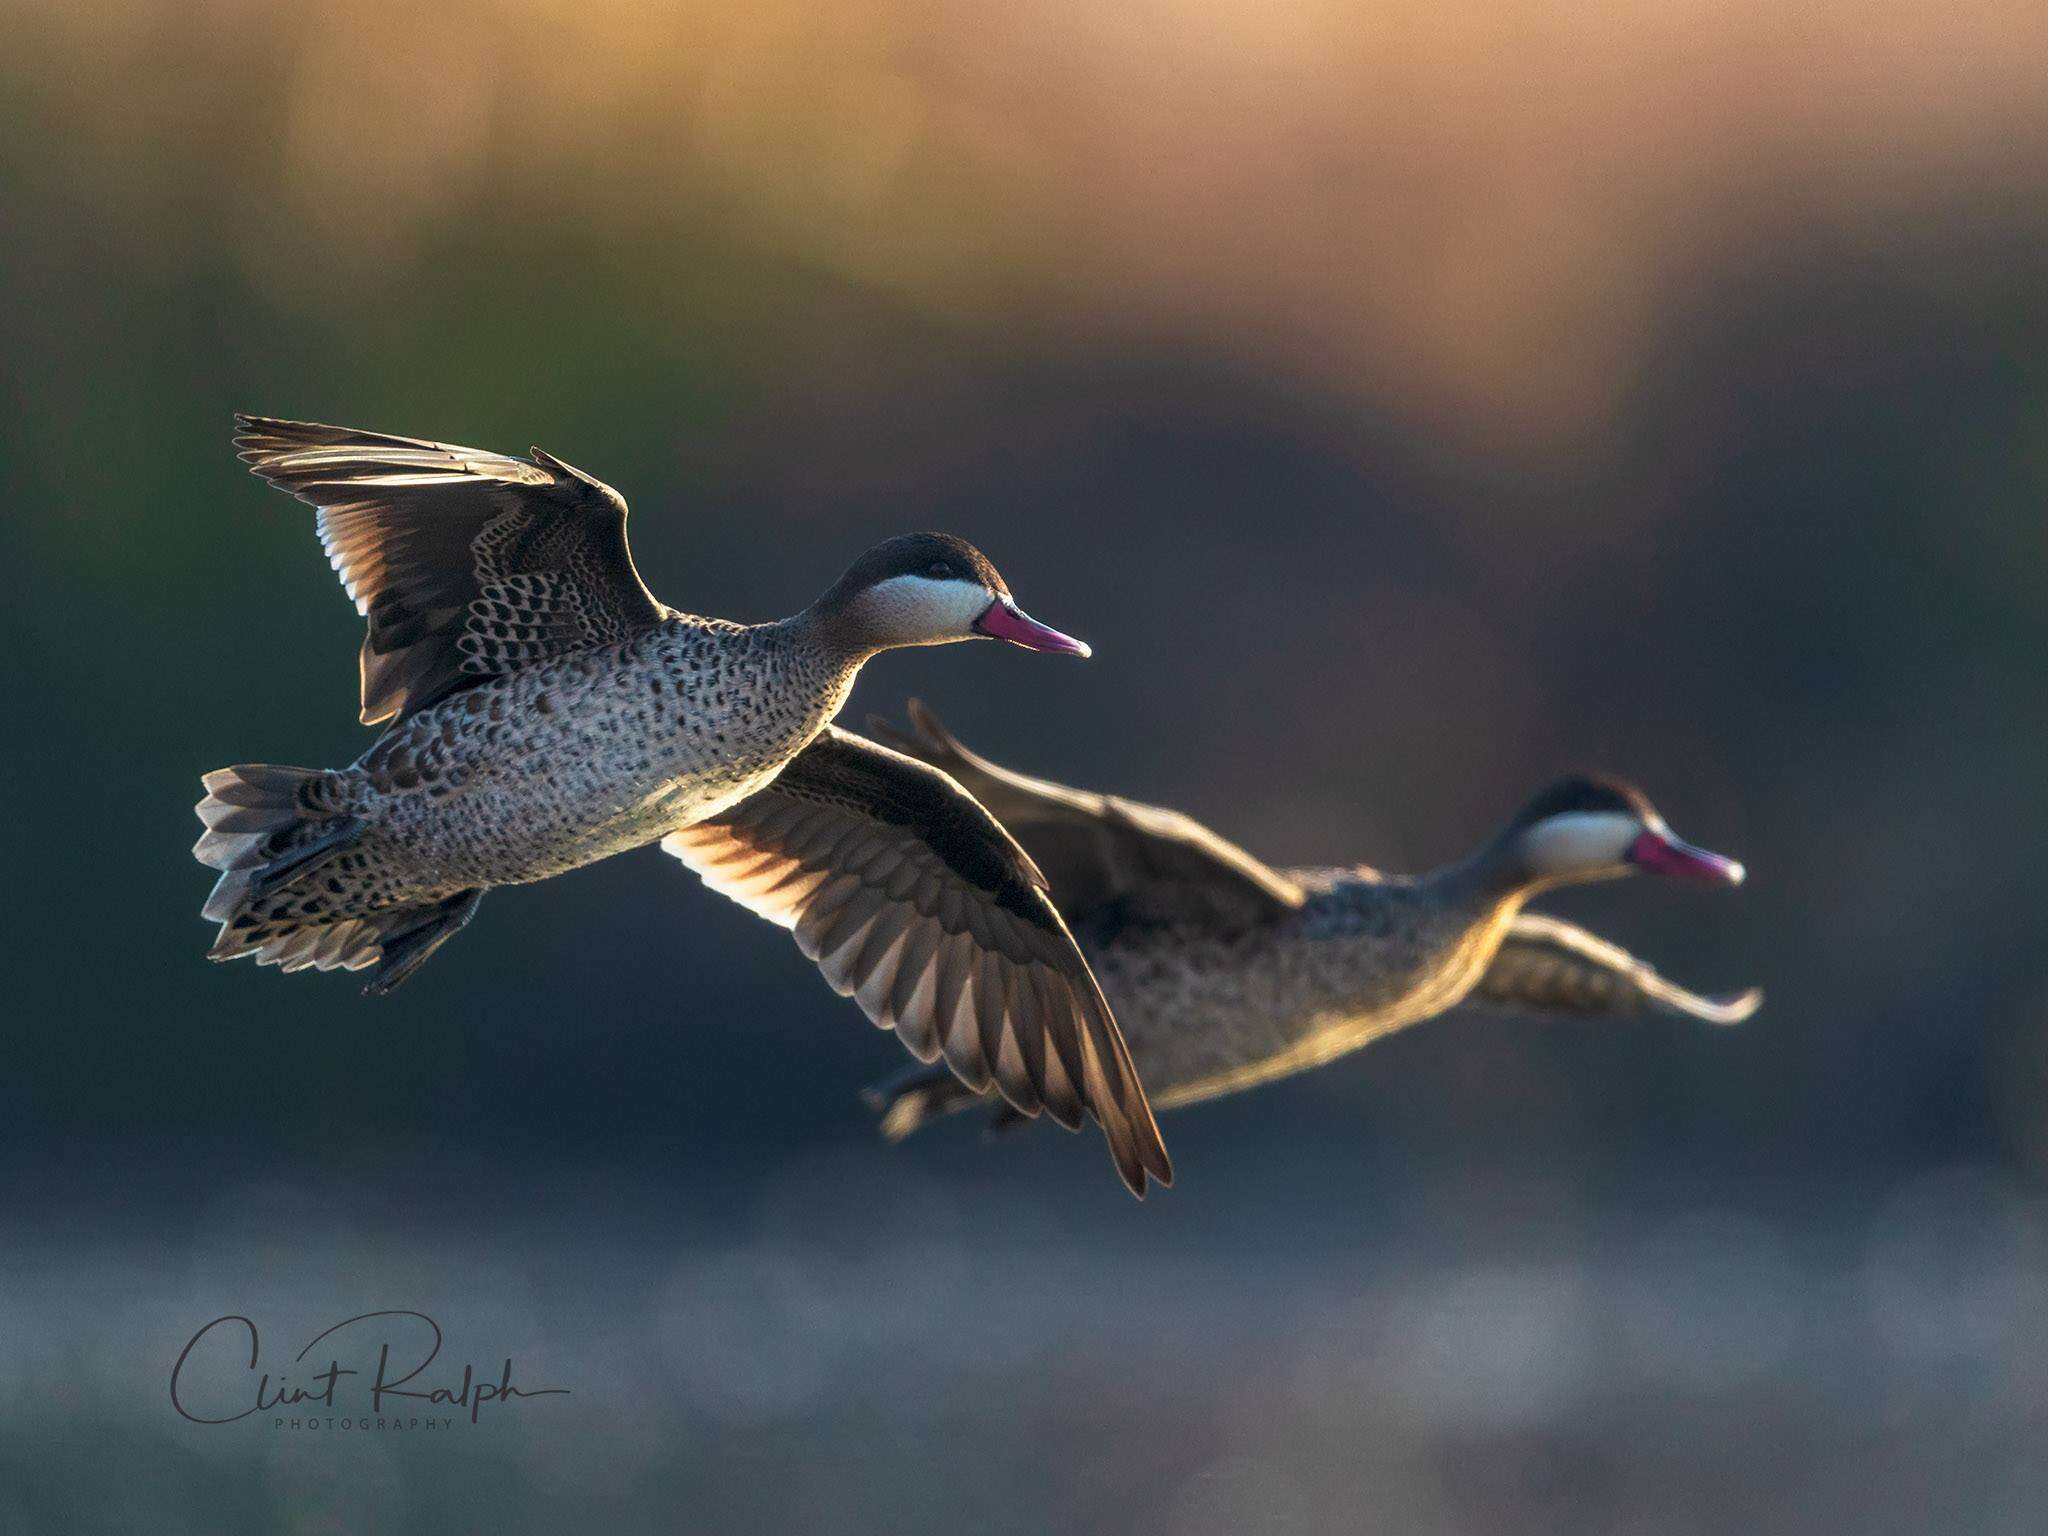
(845, 1342)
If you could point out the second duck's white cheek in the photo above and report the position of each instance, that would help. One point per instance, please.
(916, 608)
(1579, 840)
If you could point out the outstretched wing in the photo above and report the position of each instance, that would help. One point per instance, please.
(467, 564)
(1113, 863)
(1546, 965)
(914, 901)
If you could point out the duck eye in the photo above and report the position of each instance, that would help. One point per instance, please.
(939, 570)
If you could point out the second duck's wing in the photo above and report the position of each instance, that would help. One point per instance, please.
(914, 902)
(466, 563)
(1112, 863)
(1546, 965)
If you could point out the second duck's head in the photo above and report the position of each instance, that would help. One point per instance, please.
(931, 589)
(1587, 828)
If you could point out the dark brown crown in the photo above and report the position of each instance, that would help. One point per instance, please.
(1585, 793)
(934, 556)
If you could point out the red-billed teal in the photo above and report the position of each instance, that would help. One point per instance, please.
(542, 710)
(1226, 973)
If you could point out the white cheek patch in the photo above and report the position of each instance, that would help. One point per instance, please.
(1579, 840)
(917, 607)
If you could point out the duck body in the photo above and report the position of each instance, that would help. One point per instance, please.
(1226, 973)
(542, 711)
(528, 775)
(1210, 1012)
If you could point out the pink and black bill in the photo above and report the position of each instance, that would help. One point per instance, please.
(1657, 851)
(1004, 620)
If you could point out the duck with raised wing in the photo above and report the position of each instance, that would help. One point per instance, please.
(542, 710)
(1226, 973)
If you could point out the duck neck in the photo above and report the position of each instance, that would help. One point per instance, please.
(1493, 880)
(1391, 952)
(827, 632)
(813, 658)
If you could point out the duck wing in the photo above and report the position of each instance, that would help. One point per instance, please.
(916, 903)
(1113, 863)
(1546, 965)
(467, 564)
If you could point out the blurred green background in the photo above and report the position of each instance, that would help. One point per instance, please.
(1410, 402)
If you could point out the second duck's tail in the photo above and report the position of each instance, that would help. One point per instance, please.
(295, 891)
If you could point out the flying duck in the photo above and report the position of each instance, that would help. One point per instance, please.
(1226, 973)
(542, 710)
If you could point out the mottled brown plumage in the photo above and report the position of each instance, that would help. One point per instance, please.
(1225, 973)
(542, 710)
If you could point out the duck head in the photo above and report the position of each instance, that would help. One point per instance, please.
(1584, 828)
(931, 589)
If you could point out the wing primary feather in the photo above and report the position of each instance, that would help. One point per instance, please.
(875, 978)
(1013, 1075)
(962, 1040)
(918, 1011)
(988, 1008)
